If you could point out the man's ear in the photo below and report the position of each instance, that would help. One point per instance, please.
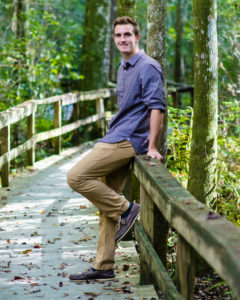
(138, 36)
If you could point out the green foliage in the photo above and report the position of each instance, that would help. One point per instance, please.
(228, 202)
(228, 161)
(229, 55)
(179, 141)
(45, 61)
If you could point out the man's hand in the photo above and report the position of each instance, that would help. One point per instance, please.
(156, 121)
(154, 154)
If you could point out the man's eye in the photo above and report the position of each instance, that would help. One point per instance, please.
(128, 34)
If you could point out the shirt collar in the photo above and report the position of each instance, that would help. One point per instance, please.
(132, 61)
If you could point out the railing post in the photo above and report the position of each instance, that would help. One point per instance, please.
(146, 220)
(30, 134)
(156, 228)
(76, 110)
(185, 268)
(57, 124)
(175, 99)
(100, 111)
(192, 97)
(5, 146)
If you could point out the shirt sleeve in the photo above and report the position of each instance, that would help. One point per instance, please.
(153, 92)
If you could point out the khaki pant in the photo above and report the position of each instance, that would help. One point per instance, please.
(111, 161)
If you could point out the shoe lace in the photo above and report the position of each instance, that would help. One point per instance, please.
(123, 221)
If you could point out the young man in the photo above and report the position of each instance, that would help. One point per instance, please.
(133, 130)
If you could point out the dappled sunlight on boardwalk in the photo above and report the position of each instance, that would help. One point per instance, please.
(47, 231)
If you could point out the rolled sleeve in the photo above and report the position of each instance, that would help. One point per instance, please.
(153, 92)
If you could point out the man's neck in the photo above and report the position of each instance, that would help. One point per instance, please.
(126, 56)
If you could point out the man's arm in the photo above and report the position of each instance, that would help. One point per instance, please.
(156, 122)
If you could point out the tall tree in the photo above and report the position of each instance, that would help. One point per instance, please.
(126, 8)
(96, 44)
(178, 44)
(202, 169)
(156, 48)
(181, 12)
(18, 27)
(112, 47)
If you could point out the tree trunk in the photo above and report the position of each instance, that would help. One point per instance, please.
(18, 27)
(113, 16)
(178, 44)
(126, 8)
(96, 45)
(202, 170)
(156, 48)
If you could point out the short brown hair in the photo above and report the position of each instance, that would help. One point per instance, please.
(126, 20)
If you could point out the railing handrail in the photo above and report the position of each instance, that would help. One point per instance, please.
(28, 109)
(211, 235)
(23, 110)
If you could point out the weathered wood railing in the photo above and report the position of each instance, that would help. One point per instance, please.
(28, 110)
(161, 196)
(198, 228)
(176, 89)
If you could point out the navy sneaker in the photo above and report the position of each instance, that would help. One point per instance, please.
(93, 274)
(127, 223)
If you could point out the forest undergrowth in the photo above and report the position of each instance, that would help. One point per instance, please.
(228, 160)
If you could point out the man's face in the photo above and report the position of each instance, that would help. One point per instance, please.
(125, 40)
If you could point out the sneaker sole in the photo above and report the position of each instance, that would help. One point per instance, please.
(121, 237)
(95, 280)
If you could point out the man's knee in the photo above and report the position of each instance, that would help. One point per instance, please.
(74, 180)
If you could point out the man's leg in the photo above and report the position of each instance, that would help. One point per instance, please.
(107, 227)
(104, 160)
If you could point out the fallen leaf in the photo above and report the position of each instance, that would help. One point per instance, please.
(83, 206)
(37, 246)
(92, 294)
(34, 284)
(147, 158)
(151, 164)
(35, 291)
(126, 267)
(18, 278)
(212, 216)
(26, 251)
(35, 233)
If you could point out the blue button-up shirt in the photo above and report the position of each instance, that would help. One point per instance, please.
(140, 89)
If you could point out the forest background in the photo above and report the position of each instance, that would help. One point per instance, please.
(41, 55)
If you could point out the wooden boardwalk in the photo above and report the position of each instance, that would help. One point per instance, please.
(47, 231)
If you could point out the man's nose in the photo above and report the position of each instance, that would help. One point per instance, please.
(122, 38)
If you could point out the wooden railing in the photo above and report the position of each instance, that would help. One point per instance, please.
(176, 89)
(215, 239)
(28, 110)
(161, 197)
